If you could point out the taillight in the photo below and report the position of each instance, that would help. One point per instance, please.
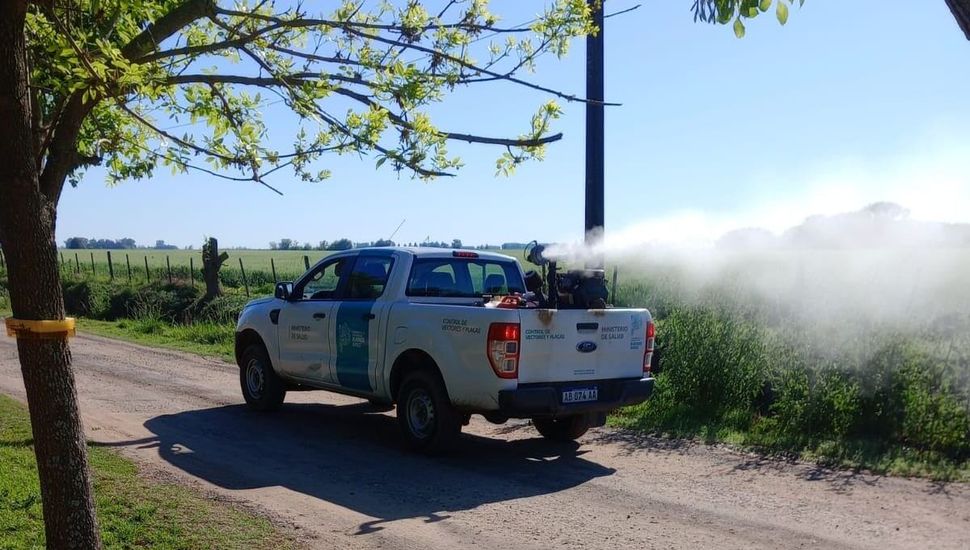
(503, 349)
(648, 349)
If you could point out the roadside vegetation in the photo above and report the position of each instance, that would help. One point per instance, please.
(842, 388)
(133, 512)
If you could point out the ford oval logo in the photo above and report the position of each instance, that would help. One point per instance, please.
(586, 347)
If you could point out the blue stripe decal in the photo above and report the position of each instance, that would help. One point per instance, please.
(353, 350)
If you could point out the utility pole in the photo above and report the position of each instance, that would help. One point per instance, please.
(595, 119)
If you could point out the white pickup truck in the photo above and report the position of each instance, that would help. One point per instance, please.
(418, 328)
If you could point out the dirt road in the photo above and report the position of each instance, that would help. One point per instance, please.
(331, 469)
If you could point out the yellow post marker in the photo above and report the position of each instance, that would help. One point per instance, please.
(25, 328)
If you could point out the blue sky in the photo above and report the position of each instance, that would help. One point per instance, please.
(849, 103)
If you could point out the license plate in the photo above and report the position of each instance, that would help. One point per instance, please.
(581, 395)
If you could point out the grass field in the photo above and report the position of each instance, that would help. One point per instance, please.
(288, 262)
(132, 511)
(853, 358)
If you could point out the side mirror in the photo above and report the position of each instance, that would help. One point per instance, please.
(283, 290)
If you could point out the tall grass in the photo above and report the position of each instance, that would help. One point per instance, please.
(843, 385)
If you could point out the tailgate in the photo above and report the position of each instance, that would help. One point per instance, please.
(579, 344)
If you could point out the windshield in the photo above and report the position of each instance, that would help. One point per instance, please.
(463, 277)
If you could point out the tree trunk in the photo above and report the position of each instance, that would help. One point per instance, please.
(27, 220)
(212, 262)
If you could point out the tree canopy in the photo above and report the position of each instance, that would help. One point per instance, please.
(187, 84)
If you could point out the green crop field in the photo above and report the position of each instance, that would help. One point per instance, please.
(287, 261)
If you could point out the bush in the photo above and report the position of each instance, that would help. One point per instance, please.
(87, 298)
(223, 309)
(764, 378)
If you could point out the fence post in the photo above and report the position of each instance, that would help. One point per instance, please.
(3, 261)
(169, 265)
(148, 275)
(111, 267)
(272, 265)
(243, 270)
(93, 272)
(306, 261)
(128, 263)
(613, 298)
(192, 270)
(77, 265)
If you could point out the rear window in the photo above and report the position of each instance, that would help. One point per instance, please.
(463, 278)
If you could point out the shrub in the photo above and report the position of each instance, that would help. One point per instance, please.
(223, 309)
(87, 298)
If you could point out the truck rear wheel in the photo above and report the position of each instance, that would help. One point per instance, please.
(261, 387)
(428, 421)
(567, 428)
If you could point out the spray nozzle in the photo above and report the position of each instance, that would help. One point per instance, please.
(533, 253)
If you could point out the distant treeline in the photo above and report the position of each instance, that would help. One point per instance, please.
(347, 244)
(79, 243)
(75, 243)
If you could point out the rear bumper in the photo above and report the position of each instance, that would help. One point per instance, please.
(545, 399)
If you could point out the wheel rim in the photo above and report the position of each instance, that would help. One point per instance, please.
(255, 379)
(420, 413)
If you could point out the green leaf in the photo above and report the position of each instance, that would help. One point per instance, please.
(765, 5)
(738, 28)
(782, 12)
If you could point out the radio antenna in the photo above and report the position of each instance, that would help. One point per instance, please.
(396, 230)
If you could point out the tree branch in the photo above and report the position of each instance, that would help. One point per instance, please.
(298, 78)
(961, 11)
(167, 25)
(352, 28)
(62, 154)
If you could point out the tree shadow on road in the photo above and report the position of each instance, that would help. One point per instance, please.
(355, 460)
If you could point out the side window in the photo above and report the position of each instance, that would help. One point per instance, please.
(369, 277)
(488, 278)
(433, 278)
(322, 284)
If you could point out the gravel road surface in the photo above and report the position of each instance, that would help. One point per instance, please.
(331, 469)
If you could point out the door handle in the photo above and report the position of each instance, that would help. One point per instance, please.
(368, 316)
(319, 315)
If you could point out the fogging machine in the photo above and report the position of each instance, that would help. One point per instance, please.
(571, 289)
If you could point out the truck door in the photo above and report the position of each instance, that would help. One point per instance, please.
(305, 321)
(359, 323)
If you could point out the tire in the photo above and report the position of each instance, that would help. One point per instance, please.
(567, 428)
(428, 421)
(261, 386)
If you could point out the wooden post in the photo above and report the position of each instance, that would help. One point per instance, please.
(272, 265)
(148, 275)
(245, 282)
(212, 261)
(93, 272)
(192, 270)
(168, 264)
(77, 264)
(128, 263)
(3, 261)
(111, 267)
(306, 262)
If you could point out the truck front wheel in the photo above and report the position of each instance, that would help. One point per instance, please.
(426, 417)
(261, 387)
(567, 428)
